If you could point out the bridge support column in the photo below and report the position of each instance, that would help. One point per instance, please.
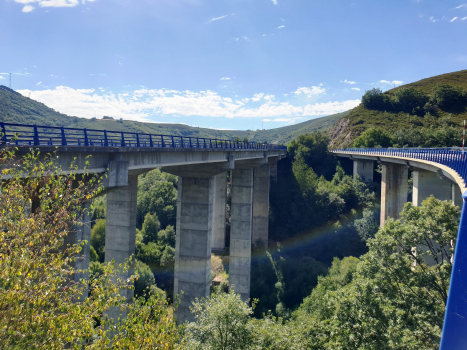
(219, 211)
(240, 231)
(427, 183)
(364, 169)
(457, 196)
(81, 234)
(261, 204)
(393, 190)
(120, 231)
(273, 171)
(193, 242)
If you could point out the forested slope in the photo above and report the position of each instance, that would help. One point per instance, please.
(435, 103)
(16, 108)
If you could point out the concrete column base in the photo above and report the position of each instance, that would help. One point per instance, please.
(240, 232)
(393, 190)
(193, 243)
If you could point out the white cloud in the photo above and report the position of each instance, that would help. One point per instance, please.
(348, 82)
(461, 6)
(218, 18)
(282, 26)
(148, 104)
(452, 20)
(315, 90)
(225, 78)
(274, 2)
(463, 19)
(28, 8)
(356, 89)
(396, 82)
(49, 3)
(1, 77)
(39, 83)
(432, 19)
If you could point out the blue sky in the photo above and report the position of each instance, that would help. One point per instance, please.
(227, 64)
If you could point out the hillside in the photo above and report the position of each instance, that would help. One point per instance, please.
(16, 108)
(347, 128)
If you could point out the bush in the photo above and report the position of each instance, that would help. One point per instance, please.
(151, 226)
(410, 100)
(375, 99)
(448, 98)
(98, 238)
(373, 138)
(145, 278)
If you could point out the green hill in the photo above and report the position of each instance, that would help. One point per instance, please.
(392, 119)
(16, 108)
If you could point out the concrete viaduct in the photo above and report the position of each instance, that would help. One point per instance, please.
(201, 166)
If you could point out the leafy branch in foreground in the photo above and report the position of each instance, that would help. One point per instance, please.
(42, 303)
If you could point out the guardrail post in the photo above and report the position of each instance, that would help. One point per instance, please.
(162, 141)
(197, 142)
(36, 136)
(189, 140)
(173, 143)
(3, 131)
(151, 144)
(86, 142)
(204, 143)
(106, 140)
(137, 140)
(123, 140)
(181, 140)
(62, 129)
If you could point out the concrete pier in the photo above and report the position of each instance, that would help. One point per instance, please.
(120, 231)
(219, 211)
(81, 235)
(240, 231)
(427, 183)
(364, 169)
(261, 205)
(193, 242)
(273, 171)
(394, 185)
(456, 196)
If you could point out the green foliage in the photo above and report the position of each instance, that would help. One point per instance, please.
(448, 98)
(394, 300)
(93, 254)
(167, 236)
(222, 323)
(375, 99)
(168, 256)
(151, 226)
(313, 150)
(145, 278)
(98, 238)
(42, 304)
(408, 99)
(373, 138)
(368, 225)
(149, 253)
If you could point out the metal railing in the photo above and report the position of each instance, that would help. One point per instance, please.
(453, 158)
(40, 135)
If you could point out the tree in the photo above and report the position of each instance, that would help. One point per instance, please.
(408, 99)
(42, 305)
(145, 278)
(375, 99)
(151, 226)
(98, 238)
(448, 98)
(222, 323)
(373, 138)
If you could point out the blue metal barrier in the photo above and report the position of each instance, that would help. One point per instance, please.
(37, 135)
(454, 335)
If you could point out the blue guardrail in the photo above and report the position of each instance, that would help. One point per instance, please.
(454, 335)
(39, 135)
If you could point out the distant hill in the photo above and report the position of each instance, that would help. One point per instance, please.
(359, 119)
(16, 108)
